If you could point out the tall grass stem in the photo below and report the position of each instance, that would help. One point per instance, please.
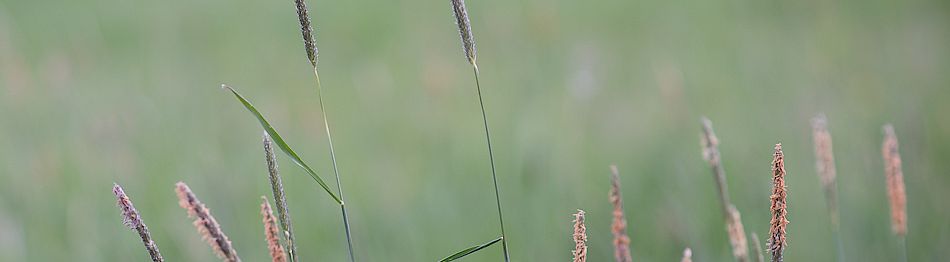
(734, 227)
(491, 160)
(827, 173)
(306, 31)
(896, 193)
(336, 170)
(468, 46)
(280, 199)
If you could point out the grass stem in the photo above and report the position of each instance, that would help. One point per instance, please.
(491, 159)
(336, 170)
(902, 248)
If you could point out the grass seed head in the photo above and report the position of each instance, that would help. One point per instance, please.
(777, 241)
(271, 232)
(306, 31)
(207, 226)
(580, 237)
(132, 219)
(896, 194)
(465, 29)
(619, 225)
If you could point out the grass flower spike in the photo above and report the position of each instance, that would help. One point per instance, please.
(132, 219)
(207, 226)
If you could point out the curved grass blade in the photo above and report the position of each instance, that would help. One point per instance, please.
(470, 250)
(280, 142)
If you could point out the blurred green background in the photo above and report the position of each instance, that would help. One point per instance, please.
(100, 91)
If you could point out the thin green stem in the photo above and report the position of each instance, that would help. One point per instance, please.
(491, 159)
(831, 198)
(336, 171)
(902, 248)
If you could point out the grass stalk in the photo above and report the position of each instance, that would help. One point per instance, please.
(618, 226)
(271, 233)
(779, 220)
(740, 247)
(710, 145)
(280, 200)
(896, 193)
(309, 44)
(132, 219)
(734, 227)
(207, 226)
(580, 237)
(902, 248)
(468, 46)
(825, 166)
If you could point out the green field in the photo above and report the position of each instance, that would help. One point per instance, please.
(127, 91)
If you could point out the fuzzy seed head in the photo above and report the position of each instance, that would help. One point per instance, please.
(580, 237)
(306, 31)
(465, 29)
(272, 233)
(131, 219)
(777, 242)
(130, 216)
(896, 194)
(740, 248)
(825, 163)
(619, 225)
(280, 200)
(207, 226)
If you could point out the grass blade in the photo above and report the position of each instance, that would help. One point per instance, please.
(280, 142)
(470, 250)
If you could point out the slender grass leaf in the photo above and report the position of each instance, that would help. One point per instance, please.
(281, 144)
(470, 250)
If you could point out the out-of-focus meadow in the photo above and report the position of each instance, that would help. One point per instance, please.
(100, 91)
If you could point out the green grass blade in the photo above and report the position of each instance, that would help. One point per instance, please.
(470, 250)
(280, 142)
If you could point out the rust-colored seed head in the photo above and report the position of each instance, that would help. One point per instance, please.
(619, 225)
(465, 29)
(777, 242)
(580, 237)
(825, 163)
(740, 248)
(687, 255)
(895, 181)
(207, 226)
(272, 233)
(823, 151)
(132, 219)
(306, 31)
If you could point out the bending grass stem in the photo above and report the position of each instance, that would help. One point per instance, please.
(336, 170)
(491, 159)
